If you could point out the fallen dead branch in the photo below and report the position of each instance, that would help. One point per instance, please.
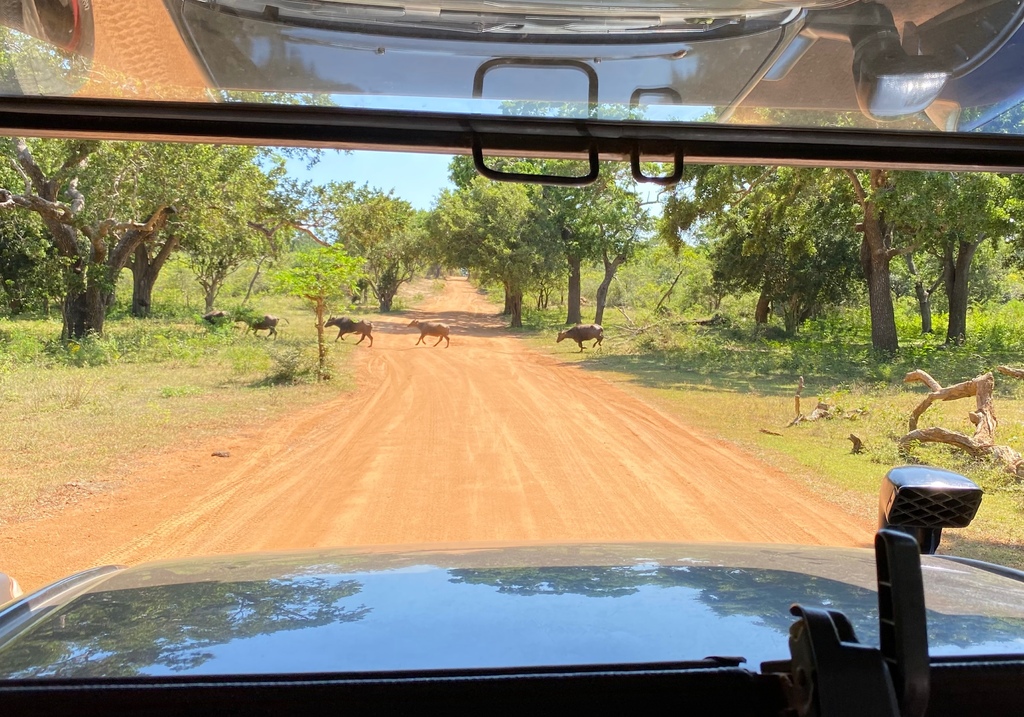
(821, 410)
(770, 433)
(631, 327)
(982, 443)
(1012, 372)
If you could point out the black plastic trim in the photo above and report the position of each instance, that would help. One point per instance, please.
(731, 691)
(521, 136)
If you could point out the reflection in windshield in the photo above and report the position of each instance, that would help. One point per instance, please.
(763, 594)
(174, 627)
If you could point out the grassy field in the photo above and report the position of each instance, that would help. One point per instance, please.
(732, 384)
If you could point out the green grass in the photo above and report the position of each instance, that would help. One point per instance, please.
(732, 382)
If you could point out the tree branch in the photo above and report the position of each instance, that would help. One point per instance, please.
(858, 188)
(74, 162)
(668, 292)
(309, 232)
(77, 198)
(28, 163)
(891, 253)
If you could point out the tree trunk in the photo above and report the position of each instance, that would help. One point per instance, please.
(573, 314)
(957, 275)
(791, 316)
(142, 293)
(507, 309)
(874, 261)
(252, 282)
(924, 304)
(84, 310)
(321, 345)
(874, 258)
(210, 292)
(610, 267)
(516, 309)
(385, 302)
(145, 270)
(763, 308)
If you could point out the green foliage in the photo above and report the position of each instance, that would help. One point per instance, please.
(386, 232)
(493, 229)
(320, 275)
(293, 363)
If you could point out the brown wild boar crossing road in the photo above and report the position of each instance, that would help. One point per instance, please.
(488, 442)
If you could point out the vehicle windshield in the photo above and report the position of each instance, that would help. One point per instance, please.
(939, 65)
(453, 398)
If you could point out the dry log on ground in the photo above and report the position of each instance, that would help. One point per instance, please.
(982, 443)
(821, 410)
(1010, 371)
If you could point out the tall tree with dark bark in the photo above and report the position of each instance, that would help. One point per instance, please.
(95, 243)
(784, 241)
(385, 232)
(711, 191)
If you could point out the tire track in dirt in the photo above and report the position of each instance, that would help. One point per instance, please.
(485, 442)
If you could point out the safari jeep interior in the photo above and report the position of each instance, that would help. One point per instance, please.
(660, 84)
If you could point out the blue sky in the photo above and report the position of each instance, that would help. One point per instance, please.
(416, 178)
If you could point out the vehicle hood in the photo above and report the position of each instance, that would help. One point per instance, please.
(343, 611)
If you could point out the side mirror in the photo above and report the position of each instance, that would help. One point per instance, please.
(921, 501)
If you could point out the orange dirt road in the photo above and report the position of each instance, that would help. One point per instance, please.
(485, 442)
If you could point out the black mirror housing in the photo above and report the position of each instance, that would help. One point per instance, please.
(922, 500)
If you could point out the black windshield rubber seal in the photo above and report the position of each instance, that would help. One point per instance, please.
(452, 133)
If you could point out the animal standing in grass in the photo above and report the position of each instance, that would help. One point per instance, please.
(268, 323)
(580, 333)
(429, 328)
(348, 326)
(216, 317)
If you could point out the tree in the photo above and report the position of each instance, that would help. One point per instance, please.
(242, 225)
(384, 231)
(494, 228)
(603, 221)
(712, 191)
(30, 270)
(620, 224)
(950, 214)
(321, 276)
(96, 244)
(784, 241)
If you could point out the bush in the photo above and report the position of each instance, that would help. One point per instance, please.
(292, 363)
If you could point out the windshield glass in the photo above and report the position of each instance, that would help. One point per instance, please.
(496, 423)
(937, 65)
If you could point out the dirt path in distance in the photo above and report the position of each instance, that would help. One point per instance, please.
(485, 442)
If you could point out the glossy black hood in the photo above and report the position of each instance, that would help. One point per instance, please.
(345, 612)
